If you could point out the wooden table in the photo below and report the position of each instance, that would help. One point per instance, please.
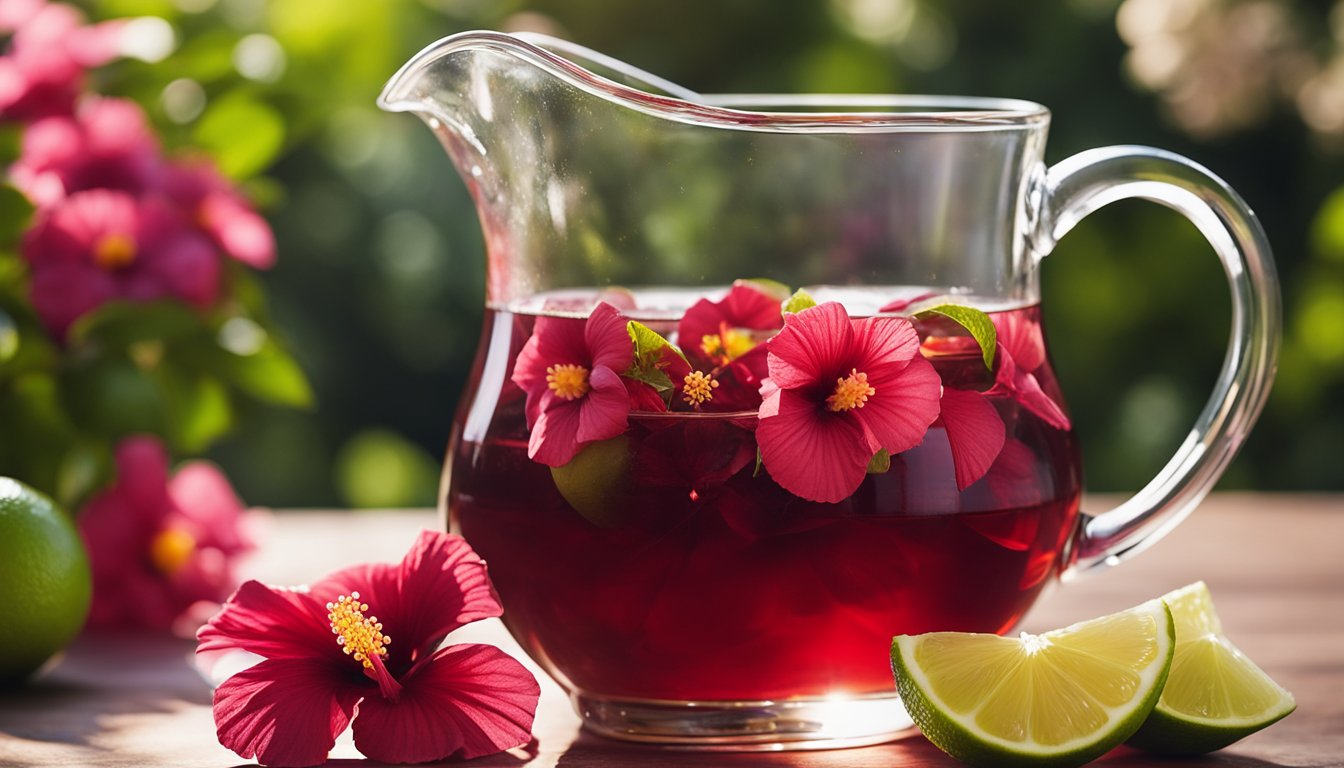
(1274, 562)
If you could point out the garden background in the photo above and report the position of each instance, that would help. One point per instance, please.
(377, 289)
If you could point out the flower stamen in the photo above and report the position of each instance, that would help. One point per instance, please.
(567, 380)
(170, 549)
(698, 388)
(114, 251)
(850, 392)
(358, 635)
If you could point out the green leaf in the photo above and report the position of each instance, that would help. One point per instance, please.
(771, 288)
(977, 323)
(16, 211)
(880, 463)
(198, 411)
(799, 301)
(120, 324)
(242, 133)
(650, 347)
(9, 337)
(269, 374)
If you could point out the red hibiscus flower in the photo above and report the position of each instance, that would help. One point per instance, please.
(1021, 352)
(571, 372)
(160, 546)
(43, 72)
(107, 144)
(362, 645)
(839, 391)
(215, 205)
(101, 245)
(723, 339)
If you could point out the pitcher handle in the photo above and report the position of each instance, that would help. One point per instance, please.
(1089, 180)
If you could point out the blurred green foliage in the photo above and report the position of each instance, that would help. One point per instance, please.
(379, 281)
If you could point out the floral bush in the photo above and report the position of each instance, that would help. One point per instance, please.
(132, 327)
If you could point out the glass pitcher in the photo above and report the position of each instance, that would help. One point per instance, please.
(709, 503)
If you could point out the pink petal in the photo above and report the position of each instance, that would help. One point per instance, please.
(61, 295)
(439, 586)
(283, 712)
(901, 305)
(1020, 334)
(811, 452)
(142, 472)
(815, 344)
(238, 229)
(608, 343)
(271, 622)
(975, 433)
(555, 435)
(187, 266)
(554, 341)
(603, 411)
(884, 342)
(204, 496)
(744, 306)
(468, 701)
(644, 397)
(904, 404)
(1027, 391)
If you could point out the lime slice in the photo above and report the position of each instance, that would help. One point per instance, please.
(1215, 695)
(1057, 699)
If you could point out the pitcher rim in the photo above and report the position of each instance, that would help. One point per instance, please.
(821, 113)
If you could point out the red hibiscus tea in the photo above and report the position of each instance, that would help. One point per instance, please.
(666, 564)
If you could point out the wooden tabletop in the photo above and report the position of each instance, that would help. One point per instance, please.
(1275, 564)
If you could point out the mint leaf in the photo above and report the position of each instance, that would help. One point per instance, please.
(977, 323)
(880, 463)
(798, 302)
(650, 348)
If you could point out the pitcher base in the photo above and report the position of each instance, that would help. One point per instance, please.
(747, 726)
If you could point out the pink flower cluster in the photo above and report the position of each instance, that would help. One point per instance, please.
(830, 392)
(116, 219)
(161, 545)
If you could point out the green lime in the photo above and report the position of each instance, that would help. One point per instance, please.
(594, 482)
(1215, 695)
(1061, 698)
(46, 575)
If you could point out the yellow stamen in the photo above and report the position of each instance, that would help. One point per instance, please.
(698, 387)
(170, 549)
(569, 382)
(359, 636)
(730, 344)
(850, 392)
(114, 251)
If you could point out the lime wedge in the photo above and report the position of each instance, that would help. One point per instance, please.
(1057, 699)
(1214, 695)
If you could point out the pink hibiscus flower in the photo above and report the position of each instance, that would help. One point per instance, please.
(101, 245)
(571, 373)
(107, 144)
(724, 340)
(226, 216)
(839, 391)
(159, 545)
(43, 71)
(1021, 353)
(362, 645)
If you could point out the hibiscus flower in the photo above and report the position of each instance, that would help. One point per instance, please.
(1021, 352)
(226, 216)
(158, 545)
(49, 50)
(723, 340)
(106, 144)
(362, 645)
(839, 391)
(100, 245)
(571, 373)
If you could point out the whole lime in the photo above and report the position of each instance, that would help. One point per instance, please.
(46, 575)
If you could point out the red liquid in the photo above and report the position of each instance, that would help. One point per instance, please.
(704, 581)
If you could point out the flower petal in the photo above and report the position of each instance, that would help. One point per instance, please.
(814, 346)
(884, 342)
(810, 452)
(439, 586)
(283, 712)
(603, 411)
(555, 435)
(904, 404)
(608, 343)
(975, 433)
(270, 622)
(1020, 334)
(467, 701)
(1027, 390)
